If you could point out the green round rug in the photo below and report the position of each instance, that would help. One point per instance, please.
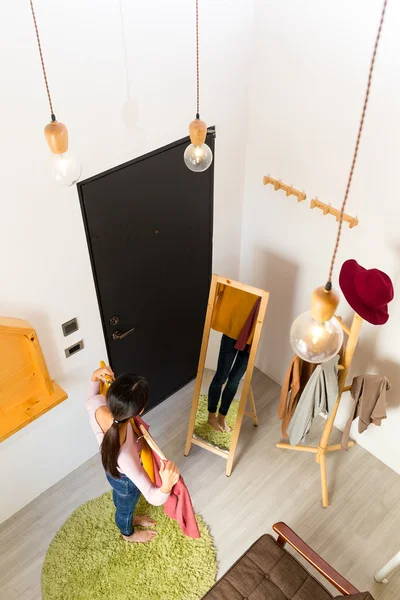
(89, 560)
(221, 439)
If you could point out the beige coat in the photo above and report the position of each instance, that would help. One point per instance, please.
(369, 395)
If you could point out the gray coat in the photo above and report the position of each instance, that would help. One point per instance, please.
(319, 396)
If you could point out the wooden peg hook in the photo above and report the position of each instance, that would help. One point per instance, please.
(328, 209)
(288, 189)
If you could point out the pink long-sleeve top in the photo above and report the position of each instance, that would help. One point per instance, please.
(129, 462)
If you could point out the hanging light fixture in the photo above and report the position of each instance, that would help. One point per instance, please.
(316, 335)
(65, 168)
(198, 156)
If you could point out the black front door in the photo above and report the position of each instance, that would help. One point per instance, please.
(149, 231)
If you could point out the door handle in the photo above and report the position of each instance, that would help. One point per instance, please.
(119, 335)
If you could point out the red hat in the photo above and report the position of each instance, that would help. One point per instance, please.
(368, 291)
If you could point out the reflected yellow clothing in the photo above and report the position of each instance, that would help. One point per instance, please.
(231, 311)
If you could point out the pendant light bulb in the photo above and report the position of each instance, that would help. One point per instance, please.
(198, 156)
(316, 335)
(64, 166)
(313, 341)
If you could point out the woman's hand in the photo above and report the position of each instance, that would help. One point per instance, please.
(169, 474)
(102, 374)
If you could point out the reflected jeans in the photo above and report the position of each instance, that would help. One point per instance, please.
(125, 496)
(228, 356)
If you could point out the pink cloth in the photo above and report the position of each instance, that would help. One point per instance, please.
(179, 505)
(241, 342)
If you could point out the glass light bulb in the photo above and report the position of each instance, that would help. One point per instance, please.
(313, 341)
(65, 168)
(198, 158)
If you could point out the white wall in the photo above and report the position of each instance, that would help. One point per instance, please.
(309, 70)
(45, 272)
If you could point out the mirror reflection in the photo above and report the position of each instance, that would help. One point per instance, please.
(234, 318)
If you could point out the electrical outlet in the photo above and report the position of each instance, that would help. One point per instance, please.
(74, 349)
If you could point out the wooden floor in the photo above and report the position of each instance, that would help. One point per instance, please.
(356, 534)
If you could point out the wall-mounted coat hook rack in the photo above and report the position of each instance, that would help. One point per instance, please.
(326, 208)
(288, 189)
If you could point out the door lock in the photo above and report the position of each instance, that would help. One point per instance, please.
(119, 335)
(114, 320)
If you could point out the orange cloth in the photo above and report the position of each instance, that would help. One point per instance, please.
(146, 455)
(231, 311)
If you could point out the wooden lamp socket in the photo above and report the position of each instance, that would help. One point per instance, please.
(323, 304)
(197, 132)
(56, 135)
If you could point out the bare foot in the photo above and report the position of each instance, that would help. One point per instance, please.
(143, 521)
(213, 422)
(141, 535)
(223, 424)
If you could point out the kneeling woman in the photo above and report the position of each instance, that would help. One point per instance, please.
(120, 451)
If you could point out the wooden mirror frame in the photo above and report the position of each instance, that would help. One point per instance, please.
(246, 390)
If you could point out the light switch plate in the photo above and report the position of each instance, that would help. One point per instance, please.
(70, 327)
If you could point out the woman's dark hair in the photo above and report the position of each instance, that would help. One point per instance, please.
(126, 398)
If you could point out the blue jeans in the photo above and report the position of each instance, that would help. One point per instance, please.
(125, 496)
(227, 355)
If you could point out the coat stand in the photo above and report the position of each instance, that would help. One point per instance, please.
(323, 447)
